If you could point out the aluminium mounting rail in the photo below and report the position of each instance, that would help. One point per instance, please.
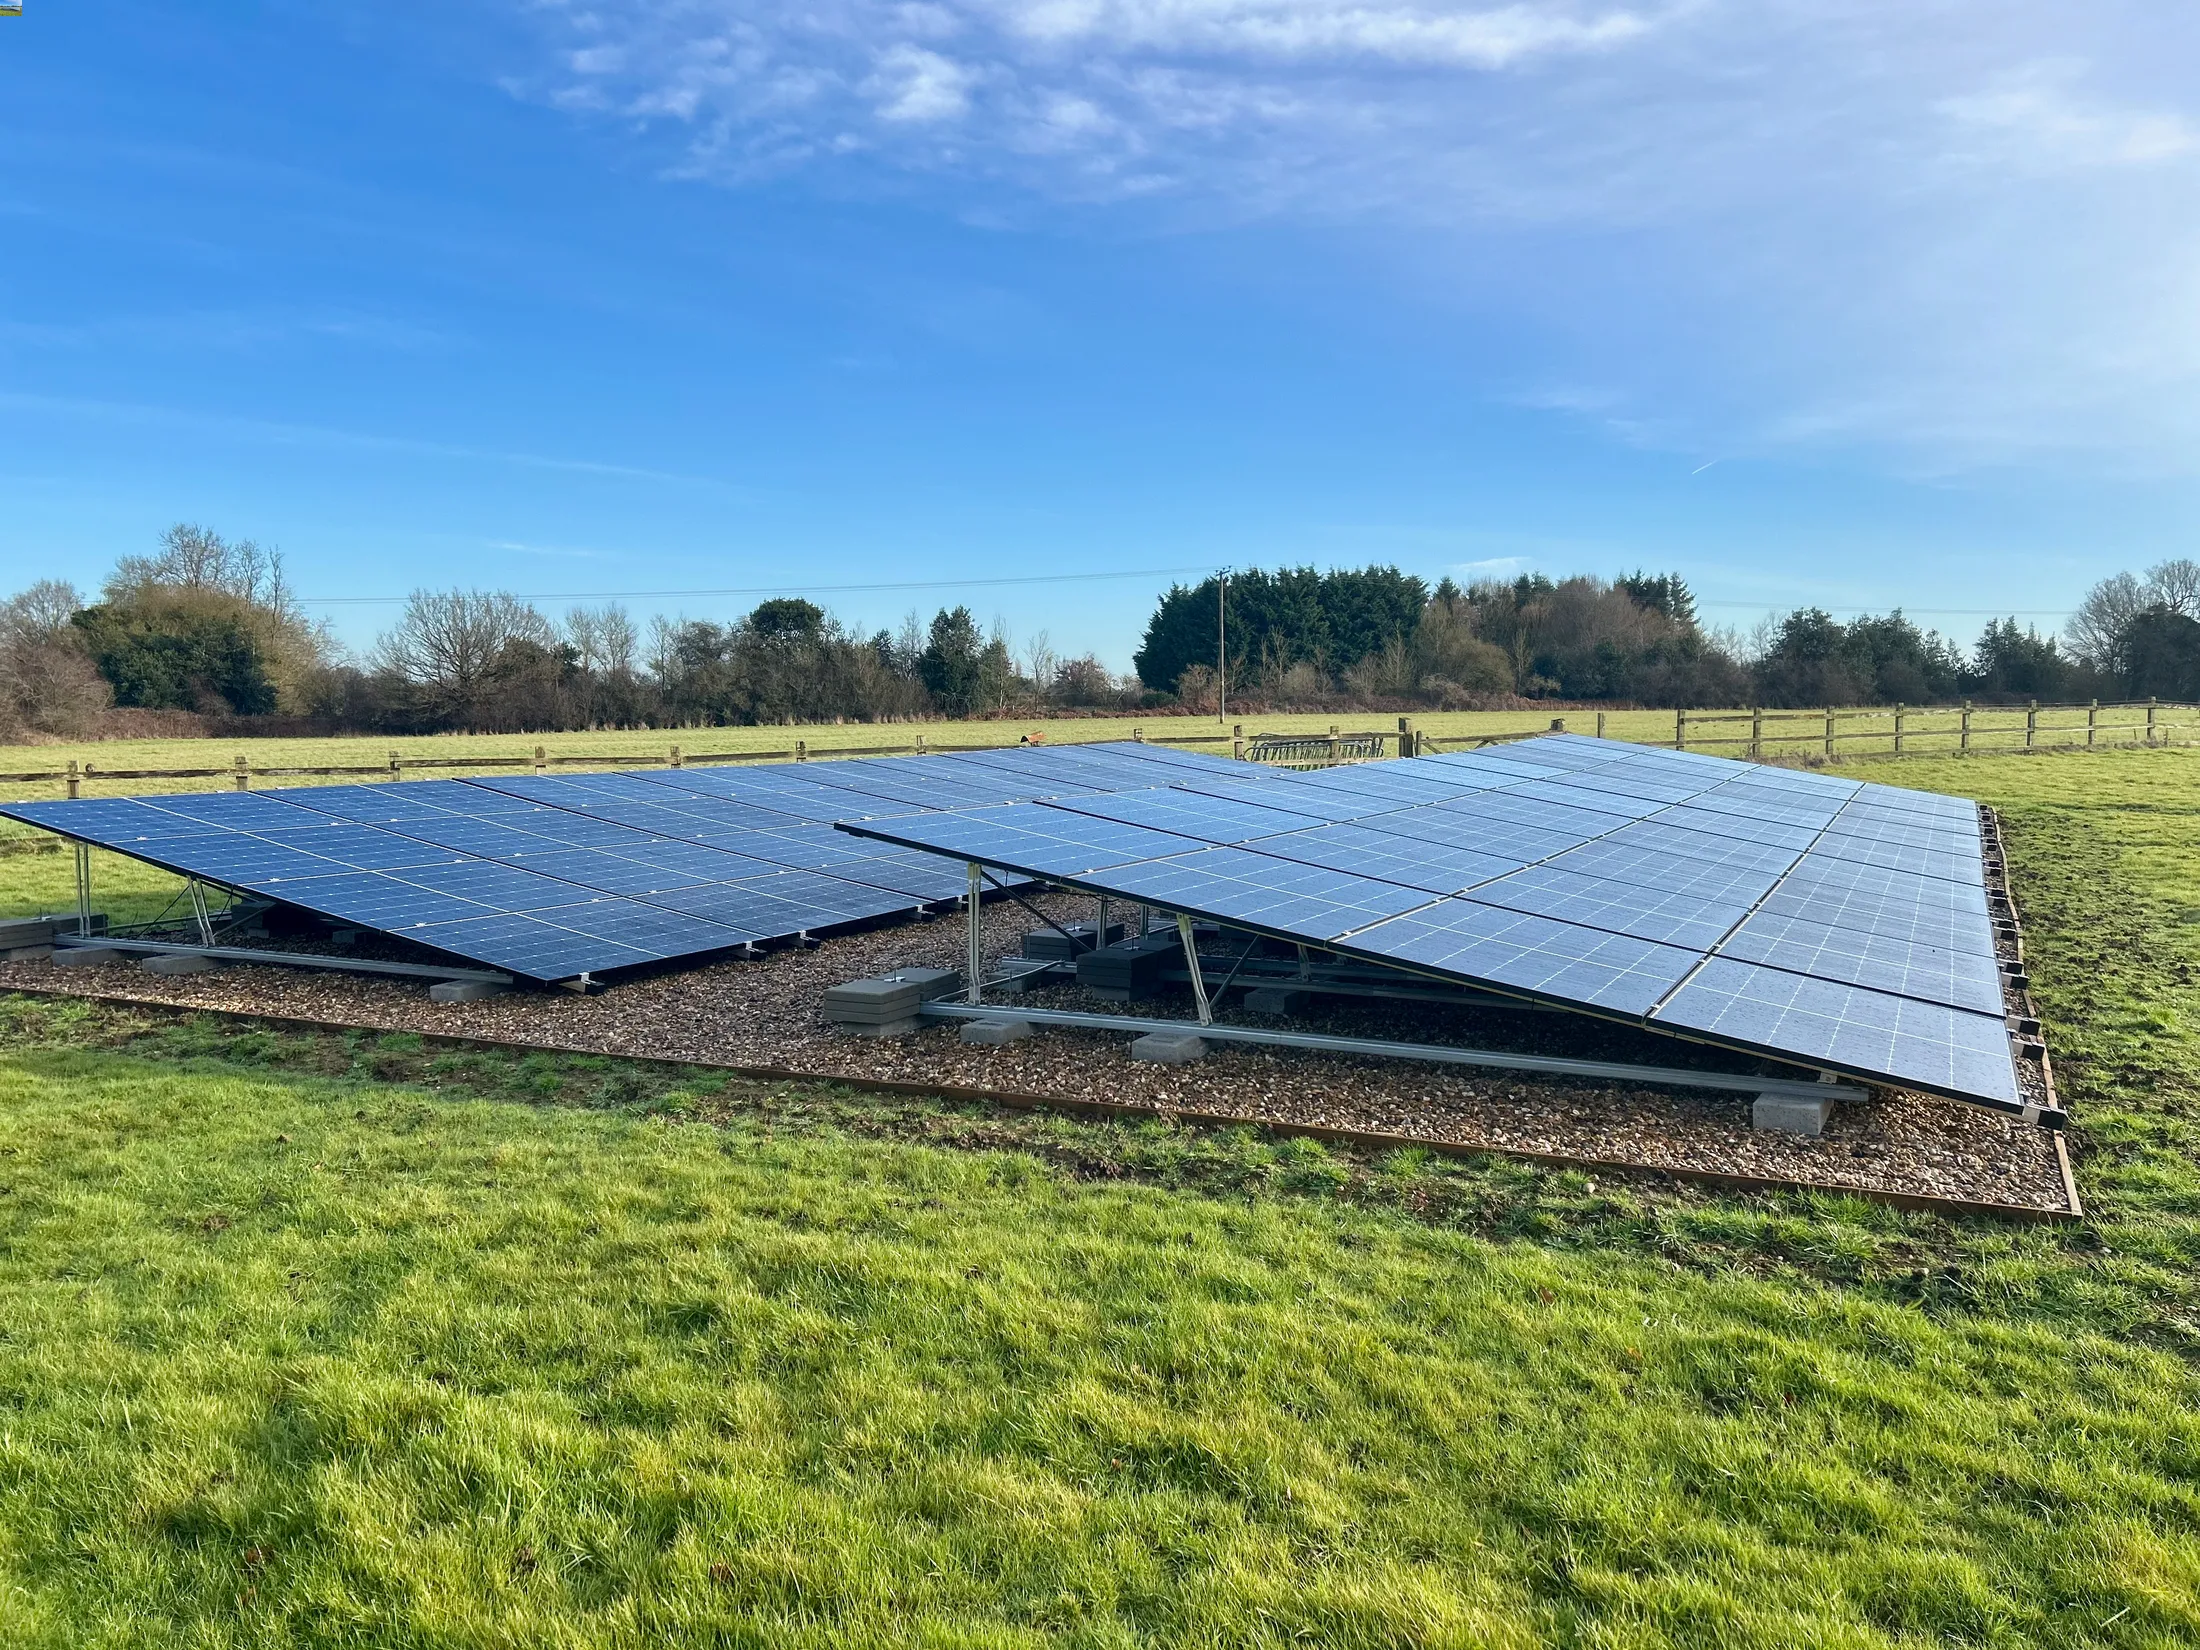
(278, 959)
(1549, 1065)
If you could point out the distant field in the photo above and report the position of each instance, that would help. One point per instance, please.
(35, 877)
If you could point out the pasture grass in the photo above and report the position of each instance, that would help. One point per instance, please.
(289, 1358)
(319, 1338)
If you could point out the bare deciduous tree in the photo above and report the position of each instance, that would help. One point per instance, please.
(447, 648)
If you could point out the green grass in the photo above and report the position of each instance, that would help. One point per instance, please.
(322, 1338)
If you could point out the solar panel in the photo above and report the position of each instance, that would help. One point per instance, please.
(1774, 911)
(1794, 914)
(1870, 1033)
(1528, 953)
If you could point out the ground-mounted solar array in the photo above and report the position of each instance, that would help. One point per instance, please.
(1816, 919)
(551, 878)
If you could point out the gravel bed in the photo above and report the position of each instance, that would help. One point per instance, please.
(764, 1013)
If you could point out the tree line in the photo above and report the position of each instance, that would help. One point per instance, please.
(1376, 636)
(211, 627)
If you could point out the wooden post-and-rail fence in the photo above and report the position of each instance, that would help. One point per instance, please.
(1768, 733)
(1959, 729)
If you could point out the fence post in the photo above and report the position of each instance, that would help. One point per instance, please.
(243, 774)
(2031, 724)
(1756, 731)
(74, 779)
(1829, 730)
(541, 759)
(921, 751)
(1680, 730)
(2150, 721)
(802, 750)
(1405, 736)
(1237, 738)
(1898, 730)
(1963, 739)
(674, 759)
(1336, 747)
(1138, 734)
(396, 772)
(2092, 720)
(1600, 724)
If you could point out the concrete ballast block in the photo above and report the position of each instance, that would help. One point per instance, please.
(995, 1031)
(85, 956)
(1790, 1114)
(879, 1028)
(1170, 1048)
(1276, 999)
(178, 962)
(930, 982)
(465, 991)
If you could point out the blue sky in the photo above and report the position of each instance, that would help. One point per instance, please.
(1815, 301)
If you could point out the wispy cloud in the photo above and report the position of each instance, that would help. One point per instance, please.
(1959, 233)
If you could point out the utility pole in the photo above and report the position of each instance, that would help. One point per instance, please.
(1222, 647)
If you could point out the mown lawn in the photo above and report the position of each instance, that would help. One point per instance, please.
(325, 1339)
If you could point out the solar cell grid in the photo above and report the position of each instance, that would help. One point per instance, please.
(1335, 806)
(1852, 1029)
(1206, 819)
(1943, 927)
(1708, 847)
(1903, 967)
(1538, 813)
(1896, 856)
(1432, 867)
(1501, 837)
(1772, 833)
(1612, 805)
(1529, 953)
(1615, 907)
(1261, 892)
(1648, 867)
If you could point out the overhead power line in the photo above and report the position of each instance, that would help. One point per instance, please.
(784, 589)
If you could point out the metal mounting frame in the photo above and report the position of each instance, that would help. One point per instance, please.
(279, 959)
(1435, 1053)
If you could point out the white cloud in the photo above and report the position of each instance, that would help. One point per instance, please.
(913, 84)
(1959, 233)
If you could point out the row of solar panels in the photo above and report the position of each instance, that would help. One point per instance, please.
(551, 878)
(1796, 914)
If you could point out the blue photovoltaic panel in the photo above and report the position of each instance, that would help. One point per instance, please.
(1429, 866)
(1770, 910)
(1874, 1033)
(1821, 871)
(1036, 841)
(1649, 868)
(1530, 954)
(1203, 818)
(1504, 839)
(1703, 846)
(1256, 891)
(1338, 807)
(1916, 922)
(1852, 956)
(1573, 798)
(1794, 914)
(1617, 907)
(1895, 856)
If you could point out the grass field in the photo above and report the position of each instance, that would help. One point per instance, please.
(326, 1339)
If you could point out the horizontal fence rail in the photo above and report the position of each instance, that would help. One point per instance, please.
(1900, 730)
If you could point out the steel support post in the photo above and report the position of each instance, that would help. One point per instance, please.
(84, 889)
(1100, 937)
(198, 911)
(1191, 961)
(976, 961)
